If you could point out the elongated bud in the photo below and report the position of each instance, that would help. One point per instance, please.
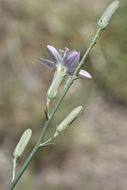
(68, 120)
(107, 15)
(57, 79)
(22, 143)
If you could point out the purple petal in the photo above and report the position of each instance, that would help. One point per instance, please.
(54, 54)
(69, 58)
(47, 63)
(71, 70)
(71, 66)
(84, 74)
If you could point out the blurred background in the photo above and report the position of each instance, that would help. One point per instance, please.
(92, 154)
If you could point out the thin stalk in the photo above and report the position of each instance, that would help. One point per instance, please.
(47, 108)
(13, 169)
(93, 42)
(46, 142)
(14, 182)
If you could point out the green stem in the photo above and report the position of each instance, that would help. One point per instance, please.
(14, 182)
(13, 169)
(93, 42)
(47, 108)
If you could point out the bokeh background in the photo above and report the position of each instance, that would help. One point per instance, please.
(92, 154)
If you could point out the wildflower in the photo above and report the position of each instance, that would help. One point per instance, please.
(63, 63)
(62, 60)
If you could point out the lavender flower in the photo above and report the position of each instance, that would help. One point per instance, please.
(67, 62)
(63, 63)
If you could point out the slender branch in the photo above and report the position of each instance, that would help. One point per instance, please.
(14, 182)
(47, 142)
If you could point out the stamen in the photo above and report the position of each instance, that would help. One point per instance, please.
(65, 52)
(61, 51)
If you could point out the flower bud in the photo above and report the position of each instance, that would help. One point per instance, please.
(68, 120)
(22, 143)
(107, 15)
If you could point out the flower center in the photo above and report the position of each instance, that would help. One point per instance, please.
(63, 53)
